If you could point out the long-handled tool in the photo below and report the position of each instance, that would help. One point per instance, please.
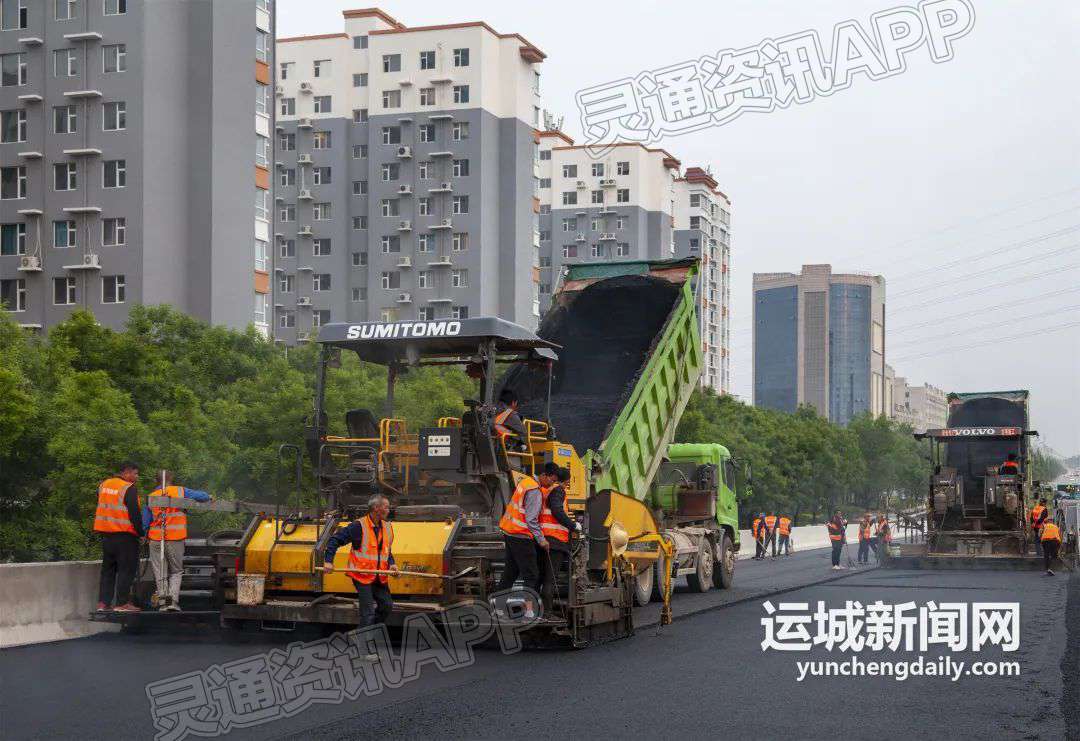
(423, 574)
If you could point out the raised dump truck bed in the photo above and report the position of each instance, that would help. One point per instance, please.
(630, 358)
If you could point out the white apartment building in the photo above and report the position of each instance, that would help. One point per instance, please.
(405, 174)
(920, 407)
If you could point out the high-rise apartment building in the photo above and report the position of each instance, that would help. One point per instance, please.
(632, 203)
(127, 170)
(920, 407)
(819, 339)
(405, 174)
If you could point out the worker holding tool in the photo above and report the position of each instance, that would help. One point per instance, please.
(1037, 517)
(523, 536)
(371, 538)
(866, 538)
(760, 533)
(783, 527)
(838, 537)
(556, 526)
(120, 524)
(1050, 535)
(166, 529)
(770, 522)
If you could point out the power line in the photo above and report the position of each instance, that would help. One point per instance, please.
(988, 271)
(998, 323)
(1026, 335)
(976, 312)
(997, 251)
(983, 289)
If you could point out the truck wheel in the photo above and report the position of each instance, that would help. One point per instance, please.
(724, 570)
(658, 577)
(702, 578)
(643, 587)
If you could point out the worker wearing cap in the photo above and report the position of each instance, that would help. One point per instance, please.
(507, 425)
(118, 521)
(1050, 535)
(1011, 466)
(372, 540)
(783, 528)
(770, 522)
(837, 536)
(169, 524)
(522, 534)
(1037, 517)
(755, 532)
(866, 538)
(557, 527)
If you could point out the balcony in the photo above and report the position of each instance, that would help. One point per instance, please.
(441, 117)
(30, 98)
(82, 94)
(446, 187)
(31, 155)
(83, 36)
(440, 300)
(30, 212)
(83, 209)
(436, 155)
(31, 41)
(442, 79)
(442, 261)
(90, 261)
(83, 152)
(444, 224)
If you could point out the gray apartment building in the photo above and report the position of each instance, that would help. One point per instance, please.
(405, 175)
(819, 339)
(127, 170)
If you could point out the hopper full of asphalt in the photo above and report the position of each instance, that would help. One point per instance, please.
(607, 331)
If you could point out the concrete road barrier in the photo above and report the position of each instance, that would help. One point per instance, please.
(45, 602)
(803, 538)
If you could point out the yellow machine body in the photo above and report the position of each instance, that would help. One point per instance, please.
(418, 546)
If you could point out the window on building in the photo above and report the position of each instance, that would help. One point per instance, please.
(569, 171)
(262, 151)
(622, 168)
(359, 42)
(427, 96)
(360, 115)
(114, 232)
(358, 187)
(423, 170)
(321, 68)
(287, 319)
(388, 207)
(65, 119)
(359, 223)
(461, 57)
(460, 242)
(115, 174)
(391, 99)
(390, 171)
(596, 250)
(320, 140)
(622, 249)
(426, 133)
(391, 63)
(13, 294)
(320, 212)
(13, 239)
(545, 154)
(320, 282)
(287, 142)
(262, 255)
(288, 177)
(285, 70)
(359, 151)
(359, 79)
(569, 224)
(13, 126)
(287, 283)
(262, 204)
(323, 104)
(423, 279)
(12, 70)
(461, 168)
(319, 317)
(620, 223)
(460, 131)
(320, 247)
(695, 222)
(287, 248)
(64, 291)
(427, 60)
(13, 182)
(569, 198)
(424, 242)
(461, 93)
(461, 205)
(594, 225)
(115, 7)
(390, 280)
(423, 206)
(459, 312)
(598, 169)
(359, 294)
(65, 63)
(545, 182)
(288, 107)
(13, 15)
(359, 259)
(425, 313)
(65, 176)
(287, 213)
(597, 197)
(391, 135)
(262, 99)
(262, 46)
(569, 250)
(622, 195)
(114, 58)
(545, 208)
(65, 9)
(114, 116)
(65, 234)
(321, 176)
(113, 288)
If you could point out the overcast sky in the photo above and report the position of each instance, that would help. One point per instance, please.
(906, 176)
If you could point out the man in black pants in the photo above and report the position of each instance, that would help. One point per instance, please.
(371, 539)
(557, 526)
(837, 536)
(118, 520)
(520, 525)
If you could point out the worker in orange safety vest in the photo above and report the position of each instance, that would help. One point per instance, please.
(557, 526)
(1050, 535)
(371, 539)
(771, 521)
(119, 522)
(760, 533)
(866, 538)
(783, 528)
(1036, 518)
(166, 529)
(837, 537)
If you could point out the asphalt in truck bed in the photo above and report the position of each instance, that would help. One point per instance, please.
(705, 675)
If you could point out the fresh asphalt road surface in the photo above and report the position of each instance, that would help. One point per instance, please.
(704, 675)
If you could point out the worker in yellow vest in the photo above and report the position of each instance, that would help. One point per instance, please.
(372, 539)
(771, 521)
(523, 536)
(783, 527)
(760, 533)
(119, 523)
(1050, 535)
(866, 538)
(166, 529)
(1036, 518)
(557, 527)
